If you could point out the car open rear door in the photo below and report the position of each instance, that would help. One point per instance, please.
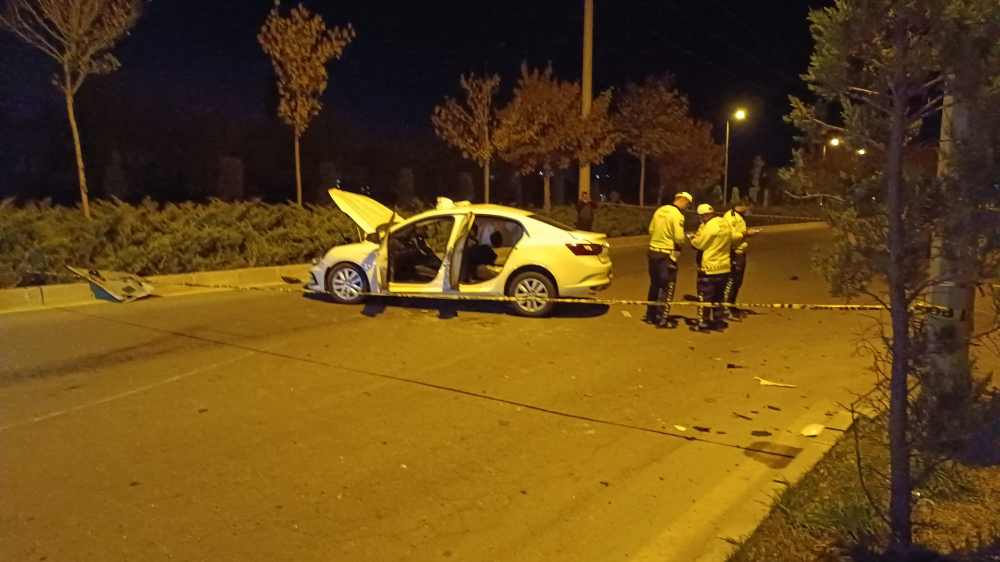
(457, 252)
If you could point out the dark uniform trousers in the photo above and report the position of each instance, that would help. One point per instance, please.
(739, 267)
(662, 281)
(711, 288)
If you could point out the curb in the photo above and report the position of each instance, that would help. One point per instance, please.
(710, 530)
(744, 519)
(23, 299)
(38, 297)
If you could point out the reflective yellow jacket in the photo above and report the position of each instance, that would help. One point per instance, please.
(738, 224)
(666, 230)
(715, 239)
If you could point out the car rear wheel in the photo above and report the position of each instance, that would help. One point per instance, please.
(532, 289)
(346, 283)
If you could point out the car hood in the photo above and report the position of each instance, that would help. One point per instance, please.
(366, 212)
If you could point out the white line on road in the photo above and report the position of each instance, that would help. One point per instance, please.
(127, 393)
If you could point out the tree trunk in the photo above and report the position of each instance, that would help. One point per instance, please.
(486, 183)
(642, 180)
(547, 193)
(899, 447)
(79, 155)
(659, 195)
(559, 189)
(298, 173)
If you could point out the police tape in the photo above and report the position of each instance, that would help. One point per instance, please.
(921, 307)
(94, 276)
(750, 216)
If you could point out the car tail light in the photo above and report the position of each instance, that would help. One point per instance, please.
(585, 249)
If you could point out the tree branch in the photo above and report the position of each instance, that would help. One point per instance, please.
(868, 100)
(931, 107)
(814, 196)
(16, 23)
(861, 474)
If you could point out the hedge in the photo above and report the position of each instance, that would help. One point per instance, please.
(37, 240)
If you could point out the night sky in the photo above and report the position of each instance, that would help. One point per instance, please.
(408, 55)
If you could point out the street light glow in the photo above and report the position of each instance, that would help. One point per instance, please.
(834, 142)
(740, 114)
(861, 151)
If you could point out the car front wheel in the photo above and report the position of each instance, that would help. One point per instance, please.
(346, 283)
(532, 291)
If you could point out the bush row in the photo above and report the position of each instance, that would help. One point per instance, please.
(37, 240)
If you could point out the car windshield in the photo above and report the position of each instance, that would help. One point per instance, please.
(551, 222)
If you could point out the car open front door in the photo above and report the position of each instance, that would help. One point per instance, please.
(382, 263)
(418, 255)
(457, 252)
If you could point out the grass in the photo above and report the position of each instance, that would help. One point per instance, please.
(827, 516)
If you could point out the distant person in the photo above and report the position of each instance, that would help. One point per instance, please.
(714, 242)
(717, 193)
(585, 212)
(666, 237)
(736, 217)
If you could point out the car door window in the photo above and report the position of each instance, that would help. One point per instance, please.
(490, 242)
(416, 251)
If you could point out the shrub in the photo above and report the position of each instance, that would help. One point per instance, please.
(37, 240)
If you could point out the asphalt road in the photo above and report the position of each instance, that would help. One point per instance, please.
(272, 426)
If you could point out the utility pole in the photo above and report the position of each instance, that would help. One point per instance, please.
(952, 265)
(725, 173)
(588, 81)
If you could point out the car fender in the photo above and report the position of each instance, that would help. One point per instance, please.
(361, 254)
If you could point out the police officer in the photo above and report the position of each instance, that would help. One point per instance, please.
(714, 241)
(736, 217)
(666, 236)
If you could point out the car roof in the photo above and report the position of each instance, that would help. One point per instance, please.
(480, 208)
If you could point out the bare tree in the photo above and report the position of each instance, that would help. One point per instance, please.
(79, 36)
(300, 46)
(541, 129)
(649, 117)
(691, 163)
(469, 128)
(536, 127)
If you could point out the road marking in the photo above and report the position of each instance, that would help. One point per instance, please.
(125, 394)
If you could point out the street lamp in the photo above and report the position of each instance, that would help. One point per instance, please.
(833, 142)
(861, 151)
(739, 116)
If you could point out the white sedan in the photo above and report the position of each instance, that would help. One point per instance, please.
(462, 249)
